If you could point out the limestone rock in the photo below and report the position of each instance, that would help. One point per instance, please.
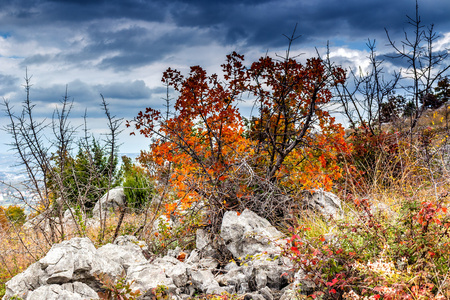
(178, 274)
(125, 251)
(67, 291)
(41, 222)
(148, 276)
(77, 260)
(326, 203)
(32, 278)
(300, 286)
(248, 234)
(69, 261)
(204, 280)
(71, 269)
(111, 201)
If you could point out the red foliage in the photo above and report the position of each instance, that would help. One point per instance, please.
(211, 153)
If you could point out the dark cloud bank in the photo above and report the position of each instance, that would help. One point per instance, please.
(251, 23)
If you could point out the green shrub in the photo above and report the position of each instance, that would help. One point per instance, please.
(137, 186)
(83, 179)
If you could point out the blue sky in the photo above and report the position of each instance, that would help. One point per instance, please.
(120, 48)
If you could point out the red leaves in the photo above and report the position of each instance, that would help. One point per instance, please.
(333, 282)
(429, 213)
(145, 122)
(293, 141)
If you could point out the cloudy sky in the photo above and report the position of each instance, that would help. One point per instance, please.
(121, 47)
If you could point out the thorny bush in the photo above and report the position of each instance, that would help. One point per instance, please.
(211, 155)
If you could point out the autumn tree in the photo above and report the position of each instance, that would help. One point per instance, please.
(212, 156)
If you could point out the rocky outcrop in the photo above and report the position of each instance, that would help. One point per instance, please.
(248, 234)
(71, 261)
(74, 269)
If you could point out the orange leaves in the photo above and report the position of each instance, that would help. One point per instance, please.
(211, 152)
(170, 207)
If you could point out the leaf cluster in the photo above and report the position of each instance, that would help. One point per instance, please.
(210, 154)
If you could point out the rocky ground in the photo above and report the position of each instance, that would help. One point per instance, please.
(243, 261)
(75, 269)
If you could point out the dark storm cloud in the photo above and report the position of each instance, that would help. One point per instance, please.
(126, 90)
(263, 22)
(125, 48)
(258, 24)
(137, 46)
(91, 43)
(401, 62)
(44, 12)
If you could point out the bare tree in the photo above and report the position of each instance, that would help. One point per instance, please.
(58, 179)
(114, 125)
(362, 95)
(424, 65)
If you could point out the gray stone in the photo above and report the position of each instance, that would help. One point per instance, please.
(130, 240)
(204, 280)
(32, 278)
(70, 270)
(69, 261)
(266, 293)
(291, 293)
(254, 296)
(208, 263)
(244, 288)
(231, 265)
(125, 253)
(148, 276)
(174, 252)
(248, 234)
(235, 276)
(260, 279)
(326, 203)
(42, 222)
(111, 201)
(165, 260)
(67, 291)
(300, 286)
(70, 217)
(230, 289)
(204, 243)
(178, 274)
(77, 260)
(194, 257)
(302, 283)
(215, 290)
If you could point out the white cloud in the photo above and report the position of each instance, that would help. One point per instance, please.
(443, 43)
(351, 58)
